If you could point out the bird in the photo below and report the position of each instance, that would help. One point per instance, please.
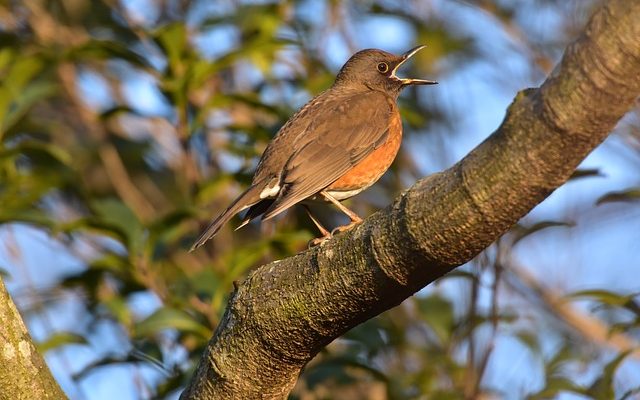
(337, 145)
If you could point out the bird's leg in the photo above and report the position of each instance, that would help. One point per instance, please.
(355, 219)
(323, 231)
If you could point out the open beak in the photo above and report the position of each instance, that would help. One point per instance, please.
(409, 81)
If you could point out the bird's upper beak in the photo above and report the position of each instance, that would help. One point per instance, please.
(411, 81)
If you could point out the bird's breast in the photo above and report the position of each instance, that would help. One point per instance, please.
(372, 167)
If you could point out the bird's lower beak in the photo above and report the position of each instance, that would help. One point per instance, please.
(411, 81)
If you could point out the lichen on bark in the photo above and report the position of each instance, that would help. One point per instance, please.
(23, 372)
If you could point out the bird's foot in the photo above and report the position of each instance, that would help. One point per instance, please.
(319, 240)
(345, 227)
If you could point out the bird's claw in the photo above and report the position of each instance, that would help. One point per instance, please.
(319, 240)
(344, 227)
(328, 235)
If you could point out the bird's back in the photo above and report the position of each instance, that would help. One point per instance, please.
(284, 143)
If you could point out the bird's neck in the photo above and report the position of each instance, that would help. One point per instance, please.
(355, 88)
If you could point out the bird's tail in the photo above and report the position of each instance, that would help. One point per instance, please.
(248, 198)
(255, 211)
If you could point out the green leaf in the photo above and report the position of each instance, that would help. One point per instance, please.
(370, 337)
(59, 339)
(39, 150)
(118, 307)
(343, 369)
(237, 263)
(211, 284)
(116, 111)
(23, 70)
(97, 49)
(586, 173)
(7, 54)
(529, 339)
(172, 39)
(629, 393)
(31, 216)
(171, 228)
(259, 51)
(604, 296)
(23, 102)
(555, 381)
(553, 388)
(110, 262)
(17, 95)
(603, 386)
(113, 213)
(458, 273)
(103, 362)
(437, 312)
(520, 232)
(562, 356)
(171, 318)
(627, 195)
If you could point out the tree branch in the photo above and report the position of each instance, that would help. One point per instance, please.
(23, 372)
(589, 327)
(286, 311)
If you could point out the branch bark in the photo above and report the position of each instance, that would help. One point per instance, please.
(23, 372)
(286, 311)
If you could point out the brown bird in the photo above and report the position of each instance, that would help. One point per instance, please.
(337, 145)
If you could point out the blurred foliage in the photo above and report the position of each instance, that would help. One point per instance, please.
(125, 126)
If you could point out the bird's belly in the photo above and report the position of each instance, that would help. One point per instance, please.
(344, 194)
(371, 168)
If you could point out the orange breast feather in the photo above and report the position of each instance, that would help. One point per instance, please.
(372, 167)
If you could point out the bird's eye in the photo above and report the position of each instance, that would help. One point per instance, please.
(383, 67)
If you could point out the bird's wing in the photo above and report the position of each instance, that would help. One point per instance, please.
(342, 134)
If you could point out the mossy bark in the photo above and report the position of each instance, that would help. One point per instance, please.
(23, 373)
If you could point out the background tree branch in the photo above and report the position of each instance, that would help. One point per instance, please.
(286, 311)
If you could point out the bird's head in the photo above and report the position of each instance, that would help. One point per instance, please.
(376, 69)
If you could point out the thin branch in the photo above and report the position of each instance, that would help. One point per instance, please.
(587, 326)
(114, 167)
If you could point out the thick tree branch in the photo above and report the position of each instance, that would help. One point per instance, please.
(286, 311)
(23, 372)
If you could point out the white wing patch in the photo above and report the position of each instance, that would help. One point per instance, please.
(270, 192)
